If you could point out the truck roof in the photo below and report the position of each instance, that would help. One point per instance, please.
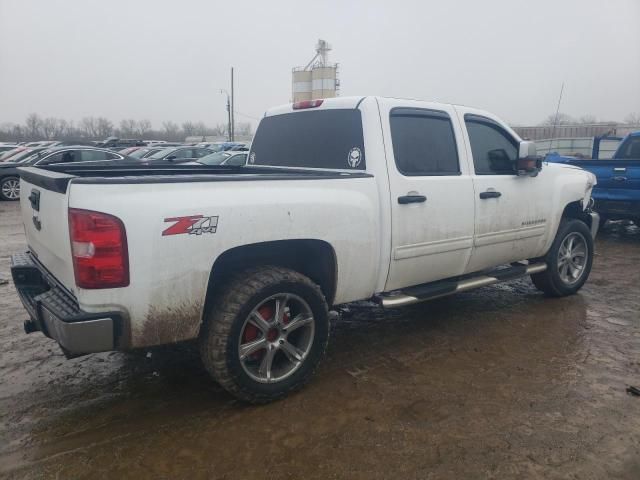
(344, 102)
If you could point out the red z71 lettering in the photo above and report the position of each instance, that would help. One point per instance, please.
(193, 225)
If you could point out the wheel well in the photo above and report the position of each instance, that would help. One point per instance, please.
(574, 210)
(314, 258)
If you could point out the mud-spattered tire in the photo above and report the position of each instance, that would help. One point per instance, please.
(225, 328)
(553, 282)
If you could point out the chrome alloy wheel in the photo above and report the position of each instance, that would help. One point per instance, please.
(276, 338)
(572, 258)
(11, 189)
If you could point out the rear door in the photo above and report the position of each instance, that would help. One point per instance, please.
(431, 193)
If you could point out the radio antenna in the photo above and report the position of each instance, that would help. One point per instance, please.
(555, 120)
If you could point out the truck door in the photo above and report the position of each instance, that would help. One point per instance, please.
(431, 193)
(512, 212)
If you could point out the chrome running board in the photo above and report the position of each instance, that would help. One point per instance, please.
(429, 291)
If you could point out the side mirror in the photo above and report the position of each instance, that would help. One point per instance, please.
(171, 158)
(528, 162)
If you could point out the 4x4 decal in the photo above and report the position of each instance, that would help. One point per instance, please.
(193, 225)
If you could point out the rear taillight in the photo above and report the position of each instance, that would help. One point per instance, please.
(307, 104)
(99, 249)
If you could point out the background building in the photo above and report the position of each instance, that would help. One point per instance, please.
(318, 79)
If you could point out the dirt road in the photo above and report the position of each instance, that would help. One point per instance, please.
(497, 383)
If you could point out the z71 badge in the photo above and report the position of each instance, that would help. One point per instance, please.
(193, 225)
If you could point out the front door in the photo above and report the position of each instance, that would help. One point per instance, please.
(512, 212)
(432, 203)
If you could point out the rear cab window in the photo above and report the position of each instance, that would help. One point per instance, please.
(330, 139)
(424, 143)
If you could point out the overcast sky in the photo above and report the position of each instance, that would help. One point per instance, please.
(168, 59)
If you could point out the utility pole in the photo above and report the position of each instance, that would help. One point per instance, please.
(228, 113)
(232, 116)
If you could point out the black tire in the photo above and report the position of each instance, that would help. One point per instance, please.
(6, 189)
(551, 281)
(227, 319)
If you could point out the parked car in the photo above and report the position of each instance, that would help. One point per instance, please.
(6, 147)
(115, 143)
(222, 158)
(10, 153)
(178, 154)
(344, 199)
(617, 194)
(223, 146)
(41, 156)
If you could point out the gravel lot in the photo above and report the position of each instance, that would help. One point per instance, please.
(496, 383)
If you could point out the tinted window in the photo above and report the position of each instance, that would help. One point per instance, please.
(311, 139)
(423, 142)
(201, 152)
(631, 149)
(183, 153)
(237, 160)
(494, 150)
(67, 156)
(96, 155)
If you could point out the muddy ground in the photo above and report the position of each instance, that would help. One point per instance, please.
(497, 383)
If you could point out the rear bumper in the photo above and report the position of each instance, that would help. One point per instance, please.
(55, 312)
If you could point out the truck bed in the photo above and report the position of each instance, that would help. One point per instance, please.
(132, 174)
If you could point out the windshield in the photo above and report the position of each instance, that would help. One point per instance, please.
(161, 153)
(214, 158)
(311, 139)
(141, 152)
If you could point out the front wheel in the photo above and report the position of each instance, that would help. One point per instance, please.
(266, 334)
(10, 188)
(568, 261)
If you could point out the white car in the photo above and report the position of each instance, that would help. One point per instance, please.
(343, 199)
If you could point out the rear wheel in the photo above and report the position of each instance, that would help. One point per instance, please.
(266, 334)
(568, 261)
(10, 188)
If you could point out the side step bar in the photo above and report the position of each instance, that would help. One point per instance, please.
(429, 291)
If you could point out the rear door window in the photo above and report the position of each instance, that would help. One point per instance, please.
(423, 142)
(311, 139)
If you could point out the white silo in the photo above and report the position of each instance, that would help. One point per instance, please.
(302, 85)
(318, 79)
(323, 81)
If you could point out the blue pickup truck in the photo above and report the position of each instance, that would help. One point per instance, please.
(617, 194)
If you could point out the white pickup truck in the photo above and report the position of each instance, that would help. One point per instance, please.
(342, 199)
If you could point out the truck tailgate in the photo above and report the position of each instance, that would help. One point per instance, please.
(44, 205)
(617, 179)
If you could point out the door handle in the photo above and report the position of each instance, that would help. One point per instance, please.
(490, 194)
(411, 199)
(619, 179)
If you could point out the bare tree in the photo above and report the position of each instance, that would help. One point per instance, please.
(33, 124)
(171, 130)
(633, 118)
(243, 128)
(587, 119)
(189, 129)
(144, 127)
(559, 119)
(128, 127)
(104, 128)
(89, 127)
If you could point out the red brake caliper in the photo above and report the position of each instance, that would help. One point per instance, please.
(251, 332)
